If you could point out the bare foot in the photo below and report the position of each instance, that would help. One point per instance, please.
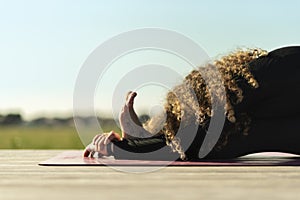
(129, 103)
(130, 124)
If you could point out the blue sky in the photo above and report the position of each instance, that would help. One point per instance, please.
(44, 43)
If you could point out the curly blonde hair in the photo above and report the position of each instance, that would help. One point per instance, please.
(181, 103)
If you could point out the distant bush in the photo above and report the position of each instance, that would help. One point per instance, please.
(11, 119)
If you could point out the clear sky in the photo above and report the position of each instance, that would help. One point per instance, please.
(44, 43)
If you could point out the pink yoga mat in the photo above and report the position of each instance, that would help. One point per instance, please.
(74, 158)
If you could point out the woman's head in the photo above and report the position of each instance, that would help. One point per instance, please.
(191, 101)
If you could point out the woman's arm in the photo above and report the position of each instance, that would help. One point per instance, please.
(153, 148)
(110, 144)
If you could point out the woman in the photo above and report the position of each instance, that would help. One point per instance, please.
(262, 111)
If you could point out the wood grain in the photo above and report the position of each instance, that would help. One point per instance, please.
(22, 178)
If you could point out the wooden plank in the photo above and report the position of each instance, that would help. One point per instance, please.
(22, 178)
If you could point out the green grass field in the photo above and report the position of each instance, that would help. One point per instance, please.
(61, 134)
(40, 137)
(19, 137)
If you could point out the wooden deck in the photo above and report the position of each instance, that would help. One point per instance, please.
(22, 178)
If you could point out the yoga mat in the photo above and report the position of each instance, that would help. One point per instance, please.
(74, 158)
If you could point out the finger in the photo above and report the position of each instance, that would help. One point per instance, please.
(97, 143)
(101, 144)
(112, 135)
(88, 150)
(96, 137)
(109, 138)
(92, 154)
(86, 153)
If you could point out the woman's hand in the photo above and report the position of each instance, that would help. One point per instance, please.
(99, 144)
(130, 125)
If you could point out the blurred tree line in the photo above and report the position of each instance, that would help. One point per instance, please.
(16, 119)
(11, 119)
